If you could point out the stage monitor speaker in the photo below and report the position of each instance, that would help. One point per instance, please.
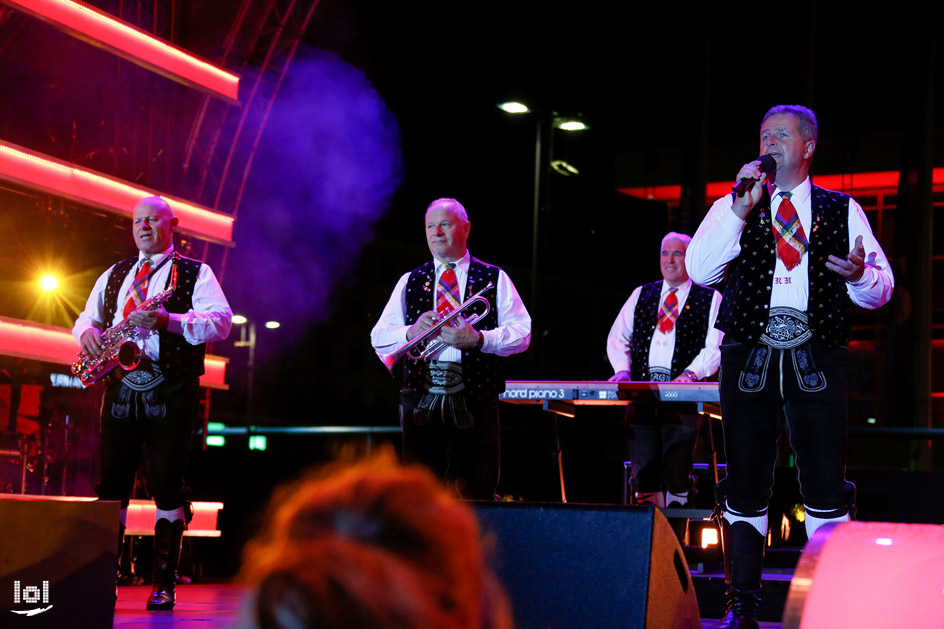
(57, 563)
(569, 565)
(869, 574)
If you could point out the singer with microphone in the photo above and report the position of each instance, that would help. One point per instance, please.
(796, 258)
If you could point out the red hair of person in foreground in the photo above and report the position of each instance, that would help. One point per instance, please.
(373, 544)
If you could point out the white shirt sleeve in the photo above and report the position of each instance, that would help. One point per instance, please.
(513, 334)
(210, 319)
(877, 283)
(621, 334)
(94, 314)
(389, 333)
(715, 244)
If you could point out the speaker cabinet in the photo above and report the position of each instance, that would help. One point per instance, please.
(569, 565)
(57, 563)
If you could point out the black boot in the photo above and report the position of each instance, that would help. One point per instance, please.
(168, 537)
(743, 549)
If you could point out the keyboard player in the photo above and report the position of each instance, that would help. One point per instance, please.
(665, 332)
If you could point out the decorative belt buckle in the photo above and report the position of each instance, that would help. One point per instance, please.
(786, 328)
(444, 378)
(144, 378)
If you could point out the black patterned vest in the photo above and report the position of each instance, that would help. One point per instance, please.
(691, 328)
(746, 304)
(178, 359)
(481, 372)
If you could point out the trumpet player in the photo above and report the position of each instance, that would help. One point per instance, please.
(449, 402)
(154, 406)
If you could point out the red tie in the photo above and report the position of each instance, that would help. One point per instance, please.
(669, 312)
(791, 240)
(447, 295)
(138, 292)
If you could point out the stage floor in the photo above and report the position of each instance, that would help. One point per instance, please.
(211, 606)
(204, 606)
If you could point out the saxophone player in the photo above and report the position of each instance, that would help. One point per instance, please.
(155, 405)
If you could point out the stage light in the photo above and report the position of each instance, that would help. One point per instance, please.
(48, 283)
(272, 325)
(257, 442)
(217, 441)
(106, 31)
(513, 107)
(42, 172)
(239, 319)
(709, 537)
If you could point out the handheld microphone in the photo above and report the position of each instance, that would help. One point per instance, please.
(767, 164)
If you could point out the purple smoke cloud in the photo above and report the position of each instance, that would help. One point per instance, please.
(325, 171)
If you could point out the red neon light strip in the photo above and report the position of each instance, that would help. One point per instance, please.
(41, 172)
(52, 344)
(141, 514)
(854, 183)
(103, 30)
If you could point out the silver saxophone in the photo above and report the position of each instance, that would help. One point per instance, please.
(118, 342)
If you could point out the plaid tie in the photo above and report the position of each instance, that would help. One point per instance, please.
(791, 241)
(138, 292)
(669, 312)
(447, 295)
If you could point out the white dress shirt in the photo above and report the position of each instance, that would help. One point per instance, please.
(717, 243)
(662, 347)
(210, 319)
(512, 336)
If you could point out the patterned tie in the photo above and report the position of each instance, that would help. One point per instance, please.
(791, 241)
(447, 295)
(138, 292)
(669, 312)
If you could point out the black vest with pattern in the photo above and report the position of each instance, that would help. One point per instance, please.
(178, 359)
(691, 328)
(746, 304)
(481, 372)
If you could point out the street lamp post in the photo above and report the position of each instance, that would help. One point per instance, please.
(545, 124)
(247, 338)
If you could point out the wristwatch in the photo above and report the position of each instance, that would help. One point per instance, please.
(691, 375)
(481, 341)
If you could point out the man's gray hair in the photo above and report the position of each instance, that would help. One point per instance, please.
(450, 204)
(685, 239)
(806, 119)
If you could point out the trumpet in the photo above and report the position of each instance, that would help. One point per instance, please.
(423, 346)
